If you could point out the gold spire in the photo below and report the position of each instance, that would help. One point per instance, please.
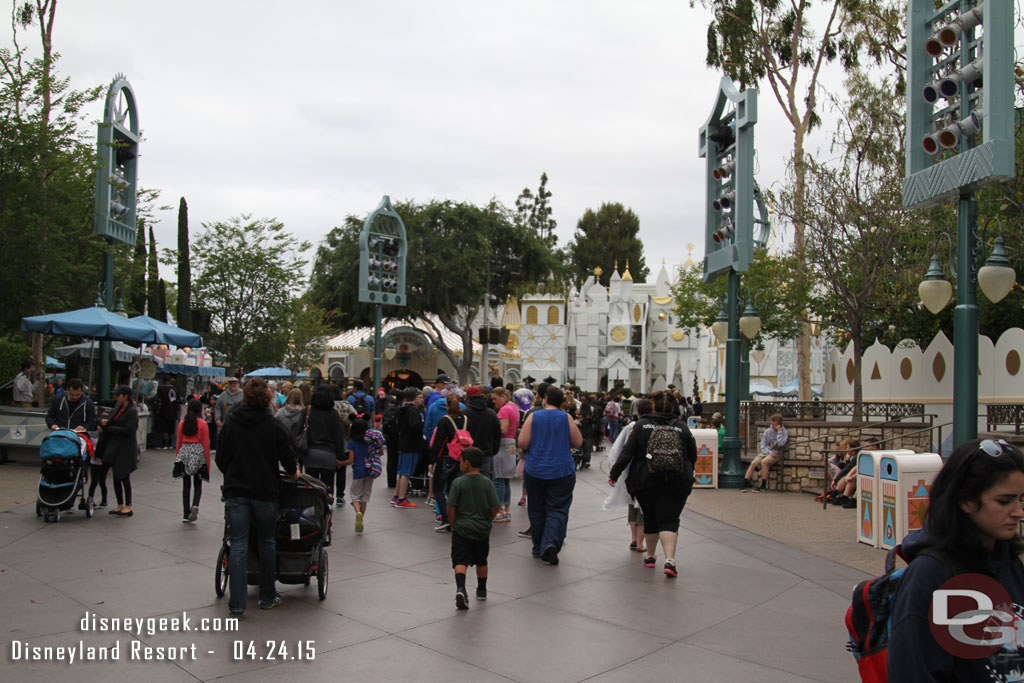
(597, 272)
(689, 254)
(626, 275)
(616, 265)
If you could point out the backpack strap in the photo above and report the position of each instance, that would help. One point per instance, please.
(948, 562)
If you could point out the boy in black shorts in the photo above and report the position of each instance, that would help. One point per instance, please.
(472, 504)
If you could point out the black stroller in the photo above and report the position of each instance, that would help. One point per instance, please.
(303, 534)
(62, 477)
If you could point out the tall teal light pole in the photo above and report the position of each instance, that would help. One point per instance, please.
(960, 137)
(382, 252)
(726, 142)
(117, 150)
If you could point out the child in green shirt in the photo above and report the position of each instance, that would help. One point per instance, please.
(472, 504)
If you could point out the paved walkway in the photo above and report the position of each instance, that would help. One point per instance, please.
(746, 606)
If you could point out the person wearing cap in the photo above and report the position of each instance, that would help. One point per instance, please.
(118, 449)
(440, 384)
(227, 401)
(483, 425)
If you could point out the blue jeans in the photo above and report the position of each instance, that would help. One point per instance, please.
(504, 487)
(547, 504)
(487, 467)
(611, 425)
(241, 514)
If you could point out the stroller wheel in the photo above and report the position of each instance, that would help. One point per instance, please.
(220, 584)
(90, 508)
(321, 574)
(39, 508)
(56, 515)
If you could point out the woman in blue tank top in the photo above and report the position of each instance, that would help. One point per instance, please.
(547, 439)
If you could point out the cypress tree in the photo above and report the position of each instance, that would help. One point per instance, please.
(184, 269)
(153, 279)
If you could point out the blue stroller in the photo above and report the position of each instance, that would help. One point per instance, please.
(62, 478)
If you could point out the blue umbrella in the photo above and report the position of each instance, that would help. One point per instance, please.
(276, 372)
(169, 334)
(94, 322)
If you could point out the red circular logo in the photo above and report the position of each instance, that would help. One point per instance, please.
(971, 616)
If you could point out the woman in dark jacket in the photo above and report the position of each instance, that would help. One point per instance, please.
(661, 497)
(119, 449)
(326, 439)
(445, 469)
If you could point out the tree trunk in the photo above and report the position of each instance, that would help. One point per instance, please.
(40, 361)
(803, 341)
(858, 381)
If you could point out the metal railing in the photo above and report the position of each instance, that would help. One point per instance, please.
(820, 410)
(1004, 414)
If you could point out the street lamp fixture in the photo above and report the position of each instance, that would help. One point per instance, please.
(750, 321)
(996, 278)
(390, 351)
(720, 328)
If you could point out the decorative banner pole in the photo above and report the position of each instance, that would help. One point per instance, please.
(382, 251)
(727, 143)
(960, 138)
(117, 149)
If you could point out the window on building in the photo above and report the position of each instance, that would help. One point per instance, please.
(552, 315)
(531, 315)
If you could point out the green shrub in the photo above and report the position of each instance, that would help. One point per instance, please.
(12, 355)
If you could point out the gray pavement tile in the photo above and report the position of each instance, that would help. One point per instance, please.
(146, 592)
(384, 659)
(395, 548)
(263, 633)
(90, 671)
(662, 607)
(513, 572)
(682, 662)
(396, 599)
(33, 608)
(810, 644)
(525, 641)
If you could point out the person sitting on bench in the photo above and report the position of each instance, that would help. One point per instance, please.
(772, 442)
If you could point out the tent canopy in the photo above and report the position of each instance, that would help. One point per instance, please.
(94, 322)
(276, 372)
(119, 351)
(169, 334)
(53, 364)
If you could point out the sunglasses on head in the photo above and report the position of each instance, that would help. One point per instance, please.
(995, 447)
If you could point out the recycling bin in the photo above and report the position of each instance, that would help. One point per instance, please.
(868, 506)
(904, 484)
(705, 471)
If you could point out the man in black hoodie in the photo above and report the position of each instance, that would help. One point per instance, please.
(410, 443)
(483, 425)
(251, 446)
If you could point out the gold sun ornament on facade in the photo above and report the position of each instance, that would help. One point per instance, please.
(677, 335)
(618, 334)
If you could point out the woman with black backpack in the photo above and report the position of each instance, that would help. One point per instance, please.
(661, 453)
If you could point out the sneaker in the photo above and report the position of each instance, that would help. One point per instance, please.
(502, 517)
(184, 519)
(340, 503)
(394, 501)
(649, 562)
(763, 487)
(430, 502)
(550, 555)
(746, 485)
(359, 522)
(272, 604)
(193, 514)
(670, 570)
(522, 501)
(404, 503)
(461, 599)
(526, 534)
(102, 504)
(850, 504)
(442, 527)
(481, 594)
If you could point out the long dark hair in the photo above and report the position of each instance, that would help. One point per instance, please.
(191, 425)
(969, 472)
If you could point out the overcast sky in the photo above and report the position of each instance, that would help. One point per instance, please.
(310, 112)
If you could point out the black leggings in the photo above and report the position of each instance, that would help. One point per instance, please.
(661, 507)
(98, 477)
(186, 486)
(123, 490)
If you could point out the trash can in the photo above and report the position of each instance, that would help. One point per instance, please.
(904, 484)
(868, 508)
(705, 472)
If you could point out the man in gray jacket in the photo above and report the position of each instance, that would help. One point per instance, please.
(227, 401)
(24, 389)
